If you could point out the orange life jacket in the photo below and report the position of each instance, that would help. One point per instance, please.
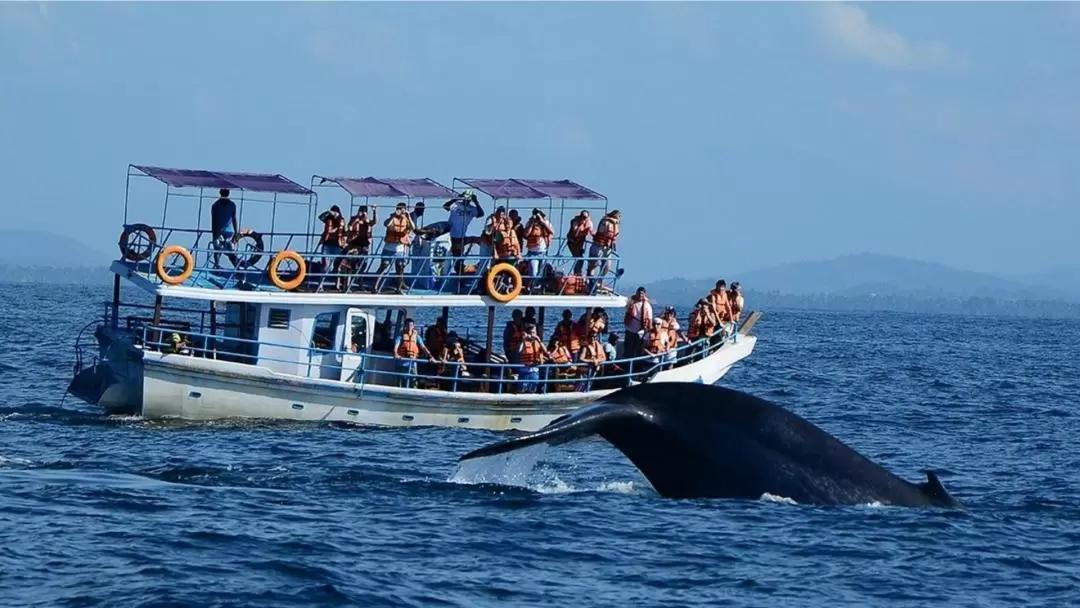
(579, 230)
(593, 352)
(398, 230)
(536, 233)
(409, 347)
(360, 229)
(509, 246)
(531, 351)
(567, 334)
(607, 237)
(516, 333)
(333, 231)
(719, 300)
(657, 340)
(672, 336)
(560, 355)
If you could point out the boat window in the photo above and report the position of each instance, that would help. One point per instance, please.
(325, 328)
(359, 334)
(278, 318)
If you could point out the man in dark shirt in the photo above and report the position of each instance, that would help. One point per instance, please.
(224, 228)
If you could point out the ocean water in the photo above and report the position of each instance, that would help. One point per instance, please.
(121, 512)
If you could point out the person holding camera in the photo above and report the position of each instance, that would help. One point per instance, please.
(399, 230)
(581, 228)
(538, 233)
(463, 210)
(361, 227)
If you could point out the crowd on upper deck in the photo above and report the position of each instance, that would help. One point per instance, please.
(345, 242)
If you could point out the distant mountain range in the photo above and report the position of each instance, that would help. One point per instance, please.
(862, 281)
(869, 275)
(37, 248)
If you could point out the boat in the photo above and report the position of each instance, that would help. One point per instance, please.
(275, 327)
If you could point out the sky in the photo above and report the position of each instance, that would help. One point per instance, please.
(732, 136)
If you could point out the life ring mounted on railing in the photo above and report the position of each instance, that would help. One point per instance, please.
(287, 255)
(137, 242)
(185, 270)
(497, 279)
(255, 247)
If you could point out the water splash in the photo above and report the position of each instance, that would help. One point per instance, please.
(509, 468)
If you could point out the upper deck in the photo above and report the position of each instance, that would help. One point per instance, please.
(277, 254)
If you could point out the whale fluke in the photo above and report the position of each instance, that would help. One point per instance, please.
(701, 441)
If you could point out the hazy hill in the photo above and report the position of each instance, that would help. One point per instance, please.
(36, 248)
(866, 275)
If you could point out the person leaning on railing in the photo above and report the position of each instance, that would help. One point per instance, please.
(701, 325)
(407, 351)
(593, 357)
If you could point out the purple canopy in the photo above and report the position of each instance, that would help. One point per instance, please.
(198, 178)
(532, 189)
(389, 187)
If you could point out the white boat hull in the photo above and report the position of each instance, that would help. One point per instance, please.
(193, 388)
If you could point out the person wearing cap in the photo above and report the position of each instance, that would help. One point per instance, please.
(399, 231)
(177, 345)
(224, 229)
(636, 321)
(463, 210)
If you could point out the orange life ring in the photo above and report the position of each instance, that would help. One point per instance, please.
(189, 265)
(287, 254)
(127, 248)
(515, 277)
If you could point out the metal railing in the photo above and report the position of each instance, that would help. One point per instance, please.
(427, 268)
(484, 376)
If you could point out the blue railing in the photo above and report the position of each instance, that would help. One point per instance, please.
(493, 377)
(434, 271)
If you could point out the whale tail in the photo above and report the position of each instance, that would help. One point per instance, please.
(586, 421)
(936, 492)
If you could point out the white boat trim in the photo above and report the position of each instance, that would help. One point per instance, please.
(363, 299)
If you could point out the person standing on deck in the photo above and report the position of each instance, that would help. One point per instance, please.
(332, 239)
(581, 228)
(531, 353)
(721, 308)
(359, 236)
(735, 298)
(463, 210)
(224, 228)
(512, 335)
(637, 320)
(604, 244)
(399, 230)
(538, 233)
(407, 350)
(593, 356)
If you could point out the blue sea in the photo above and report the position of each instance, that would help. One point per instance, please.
(117, 511)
